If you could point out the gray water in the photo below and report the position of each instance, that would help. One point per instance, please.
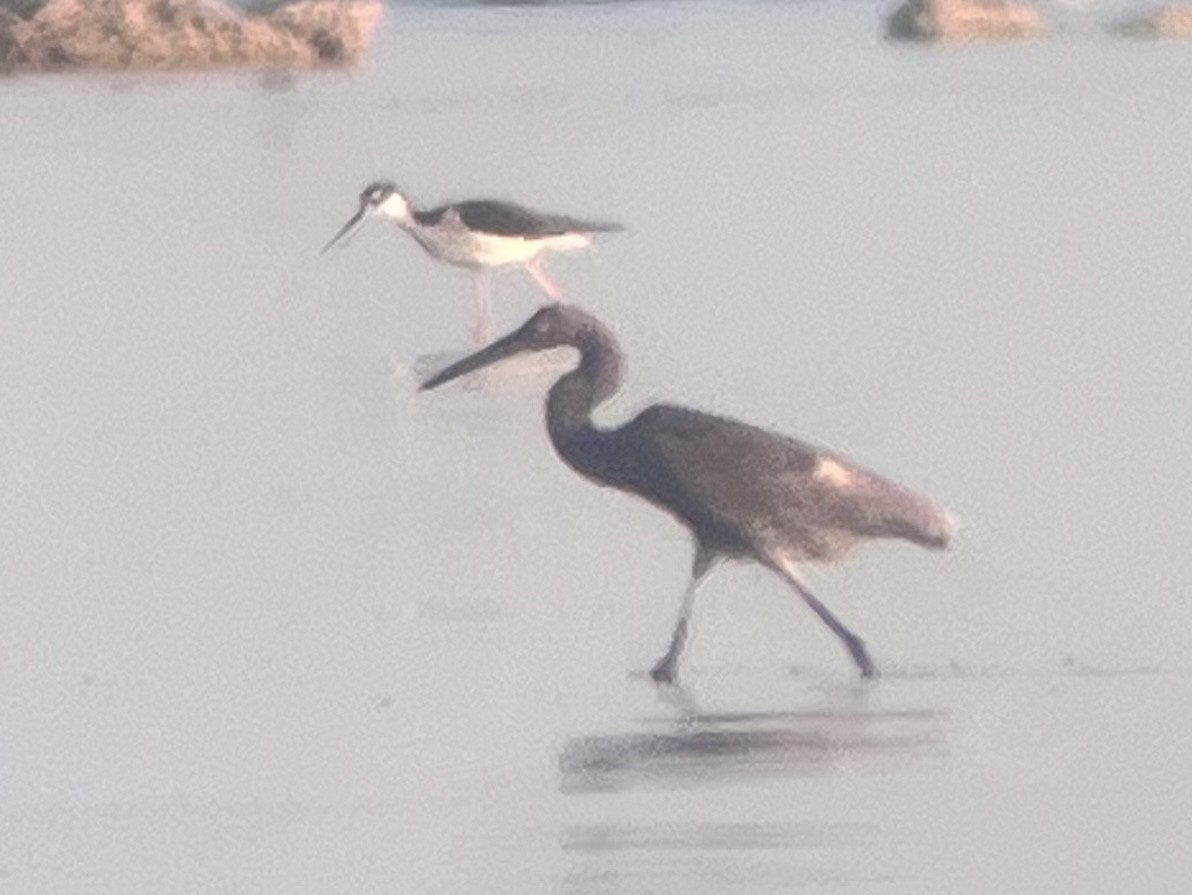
(272, 621)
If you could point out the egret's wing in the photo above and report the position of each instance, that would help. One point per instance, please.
(761, 485)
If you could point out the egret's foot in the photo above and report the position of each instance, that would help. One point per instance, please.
(856, 648)
(664, 671)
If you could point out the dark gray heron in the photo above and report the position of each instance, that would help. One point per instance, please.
(479, 234)
(744, 492)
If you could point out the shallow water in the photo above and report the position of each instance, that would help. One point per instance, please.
(274, 621)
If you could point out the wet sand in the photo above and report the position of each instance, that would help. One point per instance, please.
(274, 621)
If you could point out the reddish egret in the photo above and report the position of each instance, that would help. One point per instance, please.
(744, 492)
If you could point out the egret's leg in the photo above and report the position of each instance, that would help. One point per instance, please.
(534, 266)
(481, 313)
(664, 671)
(854, 644)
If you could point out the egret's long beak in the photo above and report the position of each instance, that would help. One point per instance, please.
(352, 223)
(512, 344)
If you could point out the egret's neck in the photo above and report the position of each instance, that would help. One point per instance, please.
(572, 399)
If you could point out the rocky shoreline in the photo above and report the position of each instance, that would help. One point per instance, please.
(141, 35)
(965, 20)
(137, 35)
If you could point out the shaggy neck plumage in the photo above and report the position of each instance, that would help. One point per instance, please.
(572, 399)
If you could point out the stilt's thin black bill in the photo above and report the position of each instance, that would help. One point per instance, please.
(344, 230)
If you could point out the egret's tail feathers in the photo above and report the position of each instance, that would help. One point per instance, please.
(928, 526)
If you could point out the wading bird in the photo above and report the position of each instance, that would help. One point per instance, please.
(744, 492)
(479, 234)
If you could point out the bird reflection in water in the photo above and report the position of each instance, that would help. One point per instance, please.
(691, 746)
(778, 822)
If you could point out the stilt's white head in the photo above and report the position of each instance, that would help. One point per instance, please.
(385, 200)
(380, 198)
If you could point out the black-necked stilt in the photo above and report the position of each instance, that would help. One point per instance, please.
(480, 234)
(744, 492)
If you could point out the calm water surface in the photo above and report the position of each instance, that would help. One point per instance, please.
(274, 622)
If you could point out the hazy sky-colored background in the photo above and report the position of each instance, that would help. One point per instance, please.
(273, 621)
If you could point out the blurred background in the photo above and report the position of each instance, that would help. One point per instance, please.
(271, 620)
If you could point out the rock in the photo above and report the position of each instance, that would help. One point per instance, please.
(1168, 21)
(963, 20)
(183, 34)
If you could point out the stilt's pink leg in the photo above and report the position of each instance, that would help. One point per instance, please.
(551, 290)
(481, 316)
